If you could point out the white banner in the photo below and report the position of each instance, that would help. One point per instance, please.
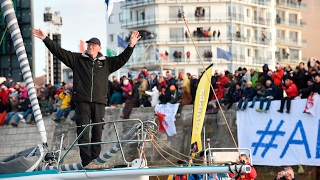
(278, 139)
(167, 119)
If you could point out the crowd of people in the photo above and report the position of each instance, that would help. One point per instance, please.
(14, 102)
(247, 87)
(244, 87)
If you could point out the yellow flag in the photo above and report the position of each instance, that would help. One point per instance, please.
(199, 110)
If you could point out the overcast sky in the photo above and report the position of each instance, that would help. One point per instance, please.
(81, 19)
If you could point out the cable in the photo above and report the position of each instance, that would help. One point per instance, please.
(209, 79)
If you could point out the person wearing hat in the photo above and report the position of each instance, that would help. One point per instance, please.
(4, 94)
(175, 98)
(91, 70)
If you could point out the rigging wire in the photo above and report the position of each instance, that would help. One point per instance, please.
(209, 79)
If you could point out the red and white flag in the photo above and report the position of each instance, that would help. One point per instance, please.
(311, 106)
(166, 117)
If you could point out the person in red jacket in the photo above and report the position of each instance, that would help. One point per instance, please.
(278, 75)
(292, 91)
(248, 176)
(4, 94)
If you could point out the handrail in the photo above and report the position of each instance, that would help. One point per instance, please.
(109, 142)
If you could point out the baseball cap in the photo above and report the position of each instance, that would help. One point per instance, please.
(94, 41)
(68, 91)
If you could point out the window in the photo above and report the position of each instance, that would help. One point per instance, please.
(174, 54)
(205, 52)
(248, 12)
(130, 15)
(141, 15)
(111, 38)
(248, 52)
(293, 18)
(111, 19)
(120, 17)
(293, 36)
(280, 33)
(248, 33)
(174, 13)
(176, 34)
(200, 70)
(294, 54)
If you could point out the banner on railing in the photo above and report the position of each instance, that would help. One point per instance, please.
(279, 139)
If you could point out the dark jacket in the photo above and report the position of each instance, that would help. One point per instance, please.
(237, 94)
(175, 97)
(25, 105)
(272, 91)
(90, 75)
(299, 79)
(261, 92)
(249, 92)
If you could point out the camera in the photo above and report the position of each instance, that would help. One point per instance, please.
(284, 173)
(242, 162)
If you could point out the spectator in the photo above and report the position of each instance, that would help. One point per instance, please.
(13, 102)
(236, 96)
(216, 96)
(314, 91)
(132, 101)
(57, 103)
(115, 85)
(261, 94)
(44, 106)
(116, 99)
(175, 55)
(24, 92)
(65, 103)
(271, 94)
(255, 77)
(193, 86)
(186, 81)
(214, 34)
(286, 174)
(186, 97)
(299, 78)
(153, 82)
(277, 79)
(4, 94)
(291, 90)
(247, 96)
(265, 70)
(243, 160)
(24, 106)
(164, 97)
(10, 82)
(142, 88)
(305, 92)
(126, 88)
(218, 34)
(188, 56)
(145, 72)
(175, 98)
(287, 73)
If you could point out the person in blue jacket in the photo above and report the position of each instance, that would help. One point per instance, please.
(247, 96)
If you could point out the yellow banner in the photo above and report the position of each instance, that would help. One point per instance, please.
(199, 110)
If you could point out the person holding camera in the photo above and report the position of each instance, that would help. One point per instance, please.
(286, 174)
(244, 160)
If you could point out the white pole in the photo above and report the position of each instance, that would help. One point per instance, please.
(51, 55)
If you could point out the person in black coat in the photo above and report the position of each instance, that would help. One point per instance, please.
(299, 78)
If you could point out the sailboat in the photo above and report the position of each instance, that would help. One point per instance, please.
(39, 163)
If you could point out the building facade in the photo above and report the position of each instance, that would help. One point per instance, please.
(249, 29)
(9, 64)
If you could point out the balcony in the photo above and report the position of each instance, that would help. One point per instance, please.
(210, 17)
(292, 42)
(135, 3)
(296, 24)
(291, 4)
(207, 40)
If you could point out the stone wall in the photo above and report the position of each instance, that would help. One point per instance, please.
(13, 140)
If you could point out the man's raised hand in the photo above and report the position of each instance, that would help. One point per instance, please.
(39, 34)
(134, 38)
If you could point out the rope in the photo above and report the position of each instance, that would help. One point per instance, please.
(4, 33)
(209, 79)
(172, 148)
(163, 155)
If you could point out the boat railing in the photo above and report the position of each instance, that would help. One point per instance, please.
(141, 136)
